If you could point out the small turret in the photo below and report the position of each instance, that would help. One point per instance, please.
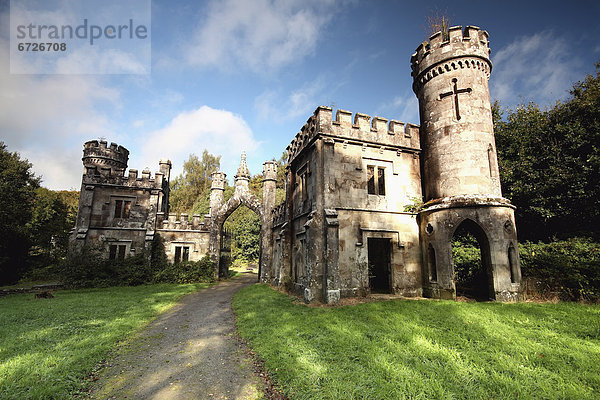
(98, 157)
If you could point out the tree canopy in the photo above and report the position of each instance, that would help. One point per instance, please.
(194, 182)
(550, 163)
(18, 186)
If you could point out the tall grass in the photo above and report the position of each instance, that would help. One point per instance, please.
(424, 349)
(48, 346)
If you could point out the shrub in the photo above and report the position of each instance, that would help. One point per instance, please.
(88, 268)
(568, 268)
(187, 272)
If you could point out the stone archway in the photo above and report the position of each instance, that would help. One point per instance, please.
(220, 211)
(476, 281)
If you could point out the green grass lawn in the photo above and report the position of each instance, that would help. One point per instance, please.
(424, 349)
(48, 346)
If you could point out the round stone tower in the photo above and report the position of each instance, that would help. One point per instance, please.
(451, 75)
(98, 157)
(461, 183)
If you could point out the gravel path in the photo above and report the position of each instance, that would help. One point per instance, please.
(189, 352)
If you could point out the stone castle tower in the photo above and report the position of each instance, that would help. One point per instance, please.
(459, 165)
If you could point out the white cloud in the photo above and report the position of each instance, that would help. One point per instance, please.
(258, 34)
(271, 105)
(220, 132)
(48, 118)
(538, 68)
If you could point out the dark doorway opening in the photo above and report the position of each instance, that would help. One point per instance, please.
(471, 262)
(379, 264)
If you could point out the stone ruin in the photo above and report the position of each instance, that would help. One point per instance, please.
(349, 225)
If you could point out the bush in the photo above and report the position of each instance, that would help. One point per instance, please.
(569, 269)
(88, 268)
(187, 272)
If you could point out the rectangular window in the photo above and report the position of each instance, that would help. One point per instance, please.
(122, 248)
(182, 254)
(371, 179)
(122, 208)
(117, 251)
(376, 180)
(381, 181)
(177, 254)
(112, 252)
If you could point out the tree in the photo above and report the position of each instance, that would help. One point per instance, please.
(550, 163)
(53, 217)
(193, 182)
(17, 187)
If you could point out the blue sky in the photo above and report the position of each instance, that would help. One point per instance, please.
(235, 75)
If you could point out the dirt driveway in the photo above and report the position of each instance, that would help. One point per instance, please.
(189, 352)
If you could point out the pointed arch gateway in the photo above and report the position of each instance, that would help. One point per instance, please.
(220, 211)
(475, 278)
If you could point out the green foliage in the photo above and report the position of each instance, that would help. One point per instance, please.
(195, 181)
(17, 196)
(244, 226)
(53, 217)
(568, 269)
(423, 349)
(550, 162)
(415, 205)
(50, 347)
(188, 272)
(87, 267)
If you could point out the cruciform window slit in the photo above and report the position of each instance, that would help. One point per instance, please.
(455, 92)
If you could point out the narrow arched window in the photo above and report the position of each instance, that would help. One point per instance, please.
(491, 160)
(512, 263)
(432, 264)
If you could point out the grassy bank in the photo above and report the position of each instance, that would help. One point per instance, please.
(423, 349)
(48, 346)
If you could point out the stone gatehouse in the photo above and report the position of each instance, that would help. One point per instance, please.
(372, 204)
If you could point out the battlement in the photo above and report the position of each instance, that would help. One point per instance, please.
(468, 48)
(218, 180)
(100, 154)
(376, 131)
(197, 223)
(94, 175)
(270, 170)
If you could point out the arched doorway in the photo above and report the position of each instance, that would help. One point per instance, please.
(471, 262)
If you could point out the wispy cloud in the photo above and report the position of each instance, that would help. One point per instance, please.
(404, 108)
(274, 105)
(258, 34)
(221, 132)
(539, 68)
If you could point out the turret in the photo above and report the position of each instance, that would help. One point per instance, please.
(216, 190)
(450, 79)
(98, 158)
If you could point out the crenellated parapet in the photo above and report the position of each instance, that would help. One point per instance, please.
(360, 128)
(99, 154)
(218, 180)
(170, 222)
(116, 177)
(270, 170)
(458, 49)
